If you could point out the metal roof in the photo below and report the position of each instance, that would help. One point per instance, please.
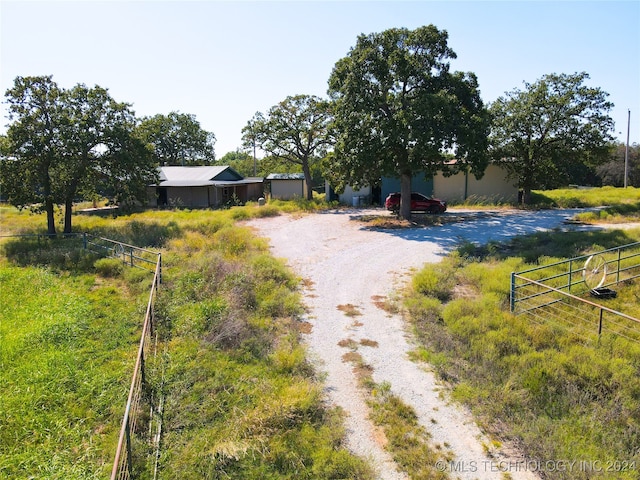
(191, 174)
(202, 176)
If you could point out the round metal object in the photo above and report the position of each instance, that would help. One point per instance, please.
(594, 272)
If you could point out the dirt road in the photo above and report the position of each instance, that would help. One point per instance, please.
(347, 264)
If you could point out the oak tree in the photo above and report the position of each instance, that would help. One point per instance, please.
(295, 131)
(549, 129)
(63, 145)
(178, 139)
(614, 170)
(399, 111)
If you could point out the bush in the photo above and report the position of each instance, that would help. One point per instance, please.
(434, 280)
(109, 267)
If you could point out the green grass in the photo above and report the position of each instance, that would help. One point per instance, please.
(67, 346)
(558, 393)
(625, 199)
(241, 400)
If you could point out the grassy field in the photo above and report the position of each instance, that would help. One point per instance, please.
(240, 397)
(619, 204)
(557, 393)
(67, 342)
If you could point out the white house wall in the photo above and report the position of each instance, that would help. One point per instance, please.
(349, 193)
(287, 189)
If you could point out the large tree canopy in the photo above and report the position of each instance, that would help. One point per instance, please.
(400, 112)
(295, 131)
(64, 144)
(178, 139)
(549, 129)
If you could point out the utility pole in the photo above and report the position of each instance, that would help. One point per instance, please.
(254, 157)
(626, 150)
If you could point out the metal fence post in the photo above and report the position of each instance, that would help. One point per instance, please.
(618, 269)
(570, 272)
(513, 291)
(129, 450)
(600, 323)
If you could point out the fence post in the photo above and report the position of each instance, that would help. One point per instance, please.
(129, 450)
(600, 323)
(513, 291)
(570, 272)
(143, 379)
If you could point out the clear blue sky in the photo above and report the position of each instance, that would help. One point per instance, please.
(223, 61)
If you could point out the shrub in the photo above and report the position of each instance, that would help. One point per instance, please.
(109, 267)
(434, 280)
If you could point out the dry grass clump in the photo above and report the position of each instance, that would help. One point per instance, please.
(349, 310)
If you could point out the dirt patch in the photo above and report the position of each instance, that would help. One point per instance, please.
(349, 310)
(305, 327)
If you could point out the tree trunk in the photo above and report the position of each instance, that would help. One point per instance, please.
(405, 196)
(526, 195)
(51, 220)
(308, 180)
(68, 206)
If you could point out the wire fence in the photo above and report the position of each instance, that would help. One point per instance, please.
(129, 254)
(138, 445)
(141, 423)
(560, 292)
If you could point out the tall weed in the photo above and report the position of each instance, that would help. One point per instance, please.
(563, 395)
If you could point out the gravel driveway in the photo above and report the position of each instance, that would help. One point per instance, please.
(345, 263)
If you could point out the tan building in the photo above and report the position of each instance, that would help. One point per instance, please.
(493, 187)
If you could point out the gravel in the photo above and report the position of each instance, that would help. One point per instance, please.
(345, 263)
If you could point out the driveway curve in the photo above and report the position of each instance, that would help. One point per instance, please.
(346, 264)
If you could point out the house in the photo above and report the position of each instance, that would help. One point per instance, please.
(285, 186)
(202, 187)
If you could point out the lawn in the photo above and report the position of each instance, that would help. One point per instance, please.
(67, 345)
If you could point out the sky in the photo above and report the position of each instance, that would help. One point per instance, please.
(223, 61)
